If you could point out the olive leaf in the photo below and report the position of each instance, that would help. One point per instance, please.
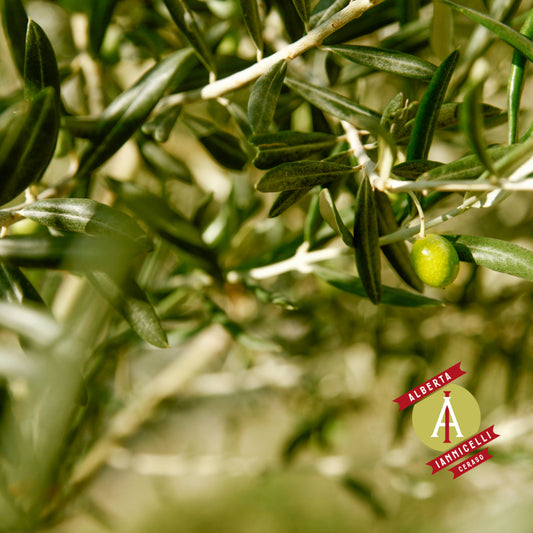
(252, 21)
(31, 144)
(392, 61)
(331, 215)
(30, 322)
(304, 9)
(378, 16)
(465, 168)
(391, 296)
(264, 97)
(428, 109)
(411, 170)
(163, 163)
(127, 112)
(286, 146)
(396, 252)
(166, 222)
(40, 66)
(15, 287)
(286, 199)
(132, 303)
(503, 31)
(292, 21)
(224, 147)
(83, 215)
(73, 252)
(186, 22)
(366, 241)
(335, 104)
(515, 84)
(471, 118)
(494, 254)
(302, 175)
(15, 22)
(101, 12)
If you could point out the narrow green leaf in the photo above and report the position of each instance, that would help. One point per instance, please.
(70, 252)
(33, 148)
(133, 304)
(378, 16)
(123, 117)
(83, 215)
(291, 19)
(240, 117)
(313, 220)
(470, 114)
(163, 163)
(224, 147)
(303, 8)
(400, 63)
(396, 252)
(15, 21)
(411, 170)
(335, 104)
(285, 200)
(30, 322)
(328, 12)
(391, 296)
(15, 287)
(285, 146)
(428, 109)
(186, 22)
(264, 97)
(495, 254)
(448, 117)
(331, 215)
(360, 489)
(409, 37)
(40, 66)
(160, 127)
(515, 84)
(14, 133)
(171, 226)
(503, 31)
(366, 241)
(465, 168)
(302, 175)
(252, 21)
(99, 19)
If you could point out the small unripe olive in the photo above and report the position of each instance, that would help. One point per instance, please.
(435, 260)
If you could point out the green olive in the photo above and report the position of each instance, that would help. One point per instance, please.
(435, 260)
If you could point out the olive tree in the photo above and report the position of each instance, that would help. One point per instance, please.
(181, 173)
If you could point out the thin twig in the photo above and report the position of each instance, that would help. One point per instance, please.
(313, 39)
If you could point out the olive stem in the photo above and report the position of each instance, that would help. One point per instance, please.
(364, 160)
(300, 261)
(311, 40)
(421, 216)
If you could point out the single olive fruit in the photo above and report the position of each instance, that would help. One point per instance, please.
(435, 260)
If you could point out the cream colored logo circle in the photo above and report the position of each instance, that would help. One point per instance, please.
(446, 417)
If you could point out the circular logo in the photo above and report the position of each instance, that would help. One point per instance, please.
(446, 417)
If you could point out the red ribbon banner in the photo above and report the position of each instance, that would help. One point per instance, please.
(429, 386)
(461, 450)
(470, 463)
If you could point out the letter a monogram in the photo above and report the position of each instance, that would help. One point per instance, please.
(447, 414)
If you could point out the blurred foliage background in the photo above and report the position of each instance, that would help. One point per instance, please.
(271, 408)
